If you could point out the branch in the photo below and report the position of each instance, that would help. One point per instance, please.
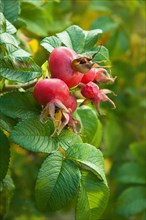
(18, 86)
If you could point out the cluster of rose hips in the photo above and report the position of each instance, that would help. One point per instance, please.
(68, 70)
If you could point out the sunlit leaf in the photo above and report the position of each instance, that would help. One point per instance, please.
(49, 43)
(92, 198)
(20, 53)
(6, 38)
(6, 26)
(73, 37)
(89, 157)
(10, 28)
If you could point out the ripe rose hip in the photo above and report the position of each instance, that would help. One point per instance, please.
(60, 65)
(57, 103)
(88, 77)
(90, 90)
(47, 90)
(71, 103)
(93, 94)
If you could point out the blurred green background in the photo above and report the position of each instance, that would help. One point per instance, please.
(123, 25)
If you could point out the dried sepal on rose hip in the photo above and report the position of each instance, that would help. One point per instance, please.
(53, 95)
(102, 76)
(95, 95)
(71, 105)
(83, 64)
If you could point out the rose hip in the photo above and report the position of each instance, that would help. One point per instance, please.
(60, 65)
(71, 103)
(88, 77)
(47, 90)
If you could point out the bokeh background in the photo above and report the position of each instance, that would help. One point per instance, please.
(123, 24)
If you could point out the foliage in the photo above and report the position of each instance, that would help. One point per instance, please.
(67, 170)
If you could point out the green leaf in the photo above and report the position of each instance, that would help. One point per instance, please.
(20, 53)
(100, 6)
(131, 172)
(11, 9)
(92, 198)
(10, 28)
(118, 43)
(112, 136)
(7, 123)
(49, 43)
(57, 183)
(4, 155)
(138, 150)
(102, 54)
(91, 37)
(73, 37)
(67, 139)
(2, 23)
(6, 193)
(19, 69)
(19, 105)
(6, 26)
(89, 157)
(32, 135)
(132, 201)
(106, 22)
(6, 38)
(35, 18)
(90, 126)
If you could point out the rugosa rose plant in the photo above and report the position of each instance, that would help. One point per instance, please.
(51, 116)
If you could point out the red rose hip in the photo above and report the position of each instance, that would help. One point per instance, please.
(71, 103)
(89, 77)
(47, 90)
(90, 90)
(60, 65)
